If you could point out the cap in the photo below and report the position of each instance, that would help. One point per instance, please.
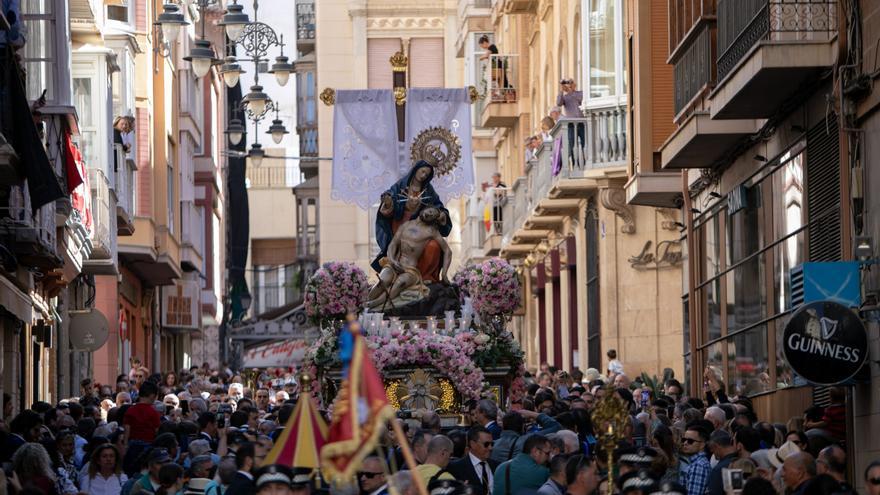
(641, 456)
(273, 473)
(634, 482)
(159, 455)
(301, 477)
(669, 488)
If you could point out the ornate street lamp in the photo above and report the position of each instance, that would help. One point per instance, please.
(256, 154)
(235, 131)
(281, 68)
(171, 20)
(277, 129)
(231, 71)
(234, 20)
(201, 57)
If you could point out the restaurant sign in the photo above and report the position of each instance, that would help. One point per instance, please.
(825, 343)
(276, 355)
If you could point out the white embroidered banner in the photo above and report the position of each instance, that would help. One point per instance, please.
(450, 109)
(365, 151)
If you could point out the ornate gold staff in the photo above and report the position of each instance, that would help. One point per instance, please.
(611, 416)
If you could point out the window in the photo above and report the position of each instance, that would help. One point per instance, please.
(379, 51)
(39, 50)
(426, 63)
(119, 12)
(88, 126)
(603, 39)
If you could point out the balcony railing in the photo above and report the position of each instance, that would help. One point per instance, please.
(103, 223)
(271, 177)
(473, 232)
(307, 242)
(305, 20)
(124, 191)
(694, 70)
(493, 212)
(308, 140)
(517, 205)
(499, 78)
(33, 235)
(743, 23)
(276, 286)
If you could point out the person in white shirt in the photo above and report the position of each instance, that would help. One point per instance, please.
(104, 476)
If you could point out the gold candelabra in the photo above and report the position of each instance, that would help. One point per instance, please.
(610, 416)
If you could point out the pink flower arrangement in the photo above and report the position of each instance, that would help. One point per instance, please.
(494, 288)
(336, 289)
(451, 356)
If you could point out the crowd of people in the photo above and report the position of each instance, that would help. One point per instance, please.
(203, 431)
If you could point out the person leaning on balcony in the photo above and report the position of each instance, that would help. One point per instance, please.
(547, 124)
(570, 100)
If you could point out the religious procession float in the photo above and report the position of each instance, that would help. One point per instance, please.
(436, 342)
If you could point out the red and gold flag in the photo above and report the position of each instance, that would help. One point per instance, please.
(303, 437)
(360, 410)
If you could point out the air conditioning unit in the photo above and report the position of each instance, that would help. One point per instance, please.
(837, 281)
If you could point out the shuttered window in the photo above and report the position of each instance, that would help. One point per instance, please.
(379, 52)
(823, 190)
(426, 63)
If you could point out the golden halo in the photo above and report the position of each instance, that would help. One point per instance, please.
(438, 146)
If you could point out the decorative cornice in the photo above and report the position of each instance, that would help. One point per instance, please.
(671, 216)
(614, 199)
(404, 22)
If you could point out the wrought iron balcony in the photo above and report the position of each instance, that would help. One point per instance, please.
(30, 235)
(694, 68)
(276, 286)
(785, 42)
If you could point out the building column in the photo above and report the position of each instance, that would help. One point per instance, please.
(556, 294)
(541, 292)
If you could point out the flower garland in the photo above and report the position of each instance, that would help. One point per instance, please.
(336, 289)
(461, 358)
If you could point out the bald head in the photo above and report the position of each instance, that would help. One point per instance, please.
(832, 461)
(439, 451)
(797, 469)
(716, 416)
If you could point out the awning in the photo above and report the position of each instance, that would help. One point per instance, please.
(15, 301)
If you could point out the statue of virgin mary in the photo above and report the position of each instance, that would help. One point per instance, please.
(404, 201)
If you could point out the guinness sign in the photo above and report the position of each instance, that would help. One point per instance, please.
(825, 343)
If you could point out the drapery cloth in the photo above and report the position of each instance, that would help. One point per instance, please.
(449, 108)
(365, 150)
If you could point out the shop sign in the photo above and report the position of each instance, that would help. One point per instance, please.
(276, 355)
(665, 254)
(825, 343)
(737, 199)
(181, 305)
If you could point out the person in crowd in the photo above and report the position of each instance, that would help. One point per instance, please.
(832, 462)
(832, 426)
(371, 477)
(198, 476)
(485, 415)
(226, 471)
(419, 441)
(148, 482)
(170, 479)
(141, 422)
(104, 475)
(404, 482)
(721, 444)
(696, 466)
(243, 484)
(477, 467)
(33, 469)
(557, 482)
(437, 459)
(528, 470)
(872, 478)
(797, 471)
(581, 475)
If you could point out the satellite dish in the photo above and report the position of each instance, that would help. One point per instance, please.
(88, 330)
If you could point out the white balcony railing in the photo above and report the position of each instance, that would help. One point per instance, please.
(125, 171)
(103, 233)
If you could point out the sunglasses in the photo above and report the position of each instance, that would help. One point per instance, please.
(690, 441)
(368, 474)
(874, 481)
(488, 444)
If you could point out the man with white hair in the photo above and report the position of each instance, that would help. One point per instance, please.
(404, 482)
(571, 441)
(171, 400)
(716, 416)
(280, 397)
(123, 398)
(236, 390)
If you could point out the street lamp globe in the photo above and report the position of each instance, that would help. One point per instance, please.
(171, 20)
(256, 154)
(231, 71)
(282, 69)
(256, 100)
(235, 131)
(234, 21)
(201, 57)
(277, 131)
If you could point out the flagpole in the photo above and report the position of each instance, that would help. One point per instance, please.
(408, 457)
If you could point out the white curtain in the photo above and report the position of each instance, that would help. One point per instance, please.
(365, 152)
(450, 109)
